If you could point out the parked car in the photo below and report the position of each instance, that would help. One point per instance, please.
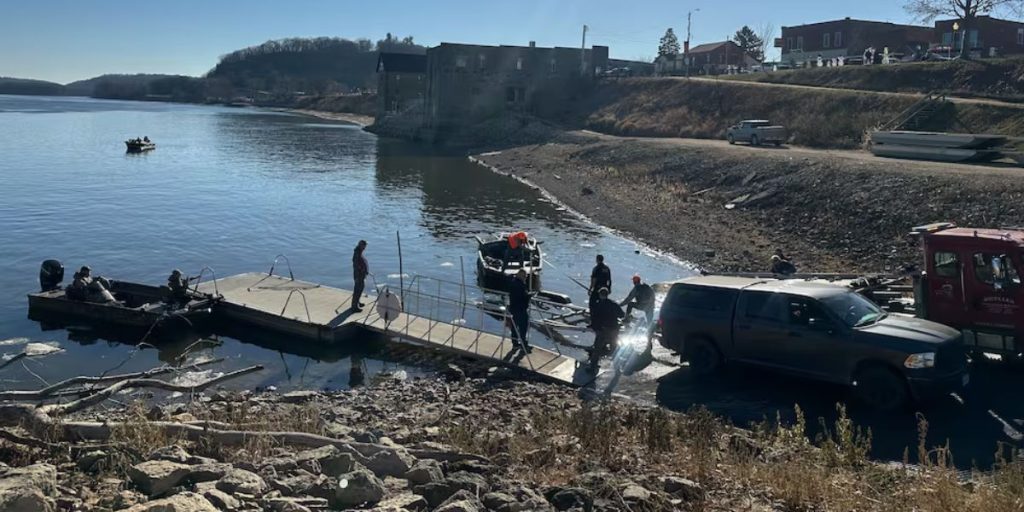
(756, 132)
(815, 330)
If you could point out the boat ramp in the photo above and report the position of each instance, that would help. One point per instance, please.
(323, 314)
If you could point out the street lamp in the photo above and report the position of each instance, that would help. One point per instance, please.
(952, 42)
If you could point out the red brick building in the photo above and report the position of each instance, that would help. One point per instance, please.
(986, 37)
(707, 59)
(849, 38)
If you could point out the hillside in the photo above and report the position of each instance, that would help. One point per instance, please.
(27, 86)
(116, 86)
(998, 78)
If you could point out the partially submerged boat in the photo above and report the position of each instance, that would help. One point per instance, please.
(135, 305)
(494, 272)
(139, 146)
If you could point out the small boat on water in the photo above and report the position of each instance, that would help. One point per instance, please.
(135, 305)
(139, 146)
(494, 273)
(936, 139)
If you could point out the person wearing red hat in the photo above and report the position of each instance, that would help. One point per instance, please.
(640, 297)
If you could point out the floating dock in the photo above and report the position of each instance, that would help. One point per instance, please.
(323, 314)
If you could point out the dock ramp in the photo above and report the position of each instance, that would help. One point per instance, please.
(322, 314)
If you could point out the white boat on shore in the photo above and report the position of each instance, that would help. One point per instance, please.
(936, 154)
(936, 140)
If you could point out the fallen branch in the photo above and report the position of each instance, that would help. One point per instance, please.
(13, 360)
(53, 391)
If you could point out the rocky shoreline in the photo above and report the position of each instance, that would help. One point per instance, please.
(464, 444)
(727, 208)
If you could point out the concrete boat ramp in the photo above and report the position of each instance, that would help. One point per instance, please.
(322, 314)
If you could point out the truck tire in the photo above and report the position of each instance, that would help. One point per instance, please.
(778, 143)
(731, 139)
(755, 140)
(703, 355)
(881, 388)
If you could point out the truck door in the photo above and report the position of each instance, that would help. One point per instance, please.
(945, 288)
(761, 328)
(992, 291)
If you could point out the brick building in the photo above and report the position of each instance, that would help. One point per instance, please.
(401, 82)
(849, 38)
(707, 59)
(987, 37)
(467, 83)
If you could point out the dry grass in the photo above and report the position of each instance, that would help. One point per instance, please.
(257, 417)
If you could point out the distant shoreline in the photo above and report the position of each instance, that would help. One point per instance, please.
(359, 120)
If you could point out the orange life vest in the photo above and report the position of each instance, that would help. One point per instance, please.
(517, 239)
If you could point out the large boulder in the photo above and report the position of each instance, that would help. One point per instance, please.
(155, 477)
(359, 487)
(299, 482)
(183, 502)
(683, 488)
(175, 453)
(403, 502)
(437, 492)
(516, 499)
(28, 489)
(390, 462)
(328, 460)
(461, 501)
(570, 498)
(241, 481)
(424, 471)
(221, 499)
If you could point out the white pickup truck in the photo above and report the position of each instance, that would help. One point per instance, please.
(756, 132)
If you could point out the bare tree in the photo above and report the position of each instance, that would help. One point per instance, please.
(767, 35)
(966, 11)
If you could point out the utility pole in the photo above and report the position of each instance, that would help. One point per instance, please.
(686, 44)
(583, 53)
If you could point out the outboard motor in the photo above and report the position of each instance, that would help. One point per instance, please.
(51, 273)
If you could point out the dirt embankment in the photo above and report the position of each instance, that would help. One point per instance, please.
(727, 208)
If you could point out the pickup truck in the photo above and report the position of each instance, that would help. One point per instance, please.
(815, 330)
(756, 132)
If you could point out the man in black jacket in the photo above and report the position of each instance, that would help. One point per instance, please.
(604, 319)
(519, 308)
(360, 269)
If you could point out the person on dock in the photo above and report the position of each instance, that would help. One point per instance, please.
(178, 284)
(360, 269)
(640, 297)
(604, 319)
(781, 264)
(600, 277)
(519, 297)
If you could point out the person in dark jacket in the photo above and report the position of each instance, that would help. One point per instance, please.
(360, 269)
(519, 307)
(178, 284)
(604, 319)
(600, 277)
(640, 297)
(781, 264)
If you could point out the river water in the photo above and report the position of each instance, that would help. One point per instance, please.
(232, 188)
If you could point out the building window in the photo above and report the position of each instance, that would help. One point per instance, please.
(554, 65)
(826, 40)
(789, 44)
(1020, 37)
(837, 41)
(460, 61)
(482, 61)
(515, 95)
(947, 39)
(800, 42)
(947, 264)
(973, 39)
(519, 64)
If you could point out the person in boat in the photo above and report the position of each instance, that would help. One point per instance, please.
(604, 319)
(781, 264)
(600, 277)
(516, 250)
(146, 139)
(360, 269)
(178, 284)
(640, 297)
(89, 289)
(519, 296)
(79, 287)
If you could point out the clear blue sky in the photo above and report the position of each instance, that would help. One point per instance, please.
(66, 40)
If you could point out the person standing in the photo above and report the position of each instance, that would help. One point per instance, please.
(519, 308)
(360, 269)
(600, 277)
(640, 297)
(604, 319)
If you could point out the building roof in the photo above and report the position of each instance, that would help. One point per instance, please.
(1013, 235)
(710, 47)
(401, 63)
(852, 20)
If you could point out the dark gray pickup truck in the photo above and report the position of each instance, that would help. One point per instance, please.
(821, 331)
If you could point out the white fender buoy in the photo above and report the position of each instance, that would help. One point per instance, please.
(389, 306)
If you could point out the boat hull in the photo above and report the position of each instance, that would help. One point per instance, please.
(936, 154)
(145, 307)
(937, 140)
(139, 148)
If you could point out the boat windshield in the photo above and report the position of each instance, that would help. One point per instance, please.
(854, 309)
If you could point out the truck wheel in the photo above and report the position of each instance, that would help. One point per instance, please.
(881, 388)
(731, 139)
(778, 143)
(754, 140)
(703, 356)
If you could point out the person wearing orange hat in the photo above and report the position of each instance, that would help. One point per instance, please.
(640, 297)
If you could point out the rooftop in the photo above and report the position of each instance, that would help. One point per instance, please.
(852, 20)
(710, 47)
(1009, 235)
(402, 63)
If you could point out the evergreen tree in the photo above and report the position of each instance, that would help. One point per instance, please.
(669, 45)
(751, 43)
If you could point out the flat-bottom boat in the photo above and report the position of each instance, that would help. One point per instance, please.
(933, 153)
(493, 273)
(139, 147)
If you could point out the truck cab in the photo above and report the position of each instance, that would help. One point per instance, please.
(972, 282)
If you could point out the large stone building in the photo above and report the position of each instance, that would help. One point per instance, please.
(849, 38)
(401, 82)
(469, 83)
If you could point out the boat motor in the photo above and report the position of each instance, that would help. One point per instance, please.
(51, 273)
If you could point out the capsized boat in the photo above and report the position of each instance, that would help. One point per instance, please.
(135, 305)
(139, 146)
(936, 139)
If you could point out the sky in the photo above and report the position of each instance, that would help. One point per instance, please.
(67, 40)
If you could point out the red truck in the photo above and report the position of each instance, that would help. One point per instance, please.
(971, 282)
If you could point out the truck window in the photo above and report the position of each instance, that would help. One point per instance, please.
(984, 270)
(764, 306)
(801, 309)
(947, 264)
(701, 298)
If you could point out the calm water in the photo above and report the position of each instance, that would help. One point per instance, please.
(232, 188)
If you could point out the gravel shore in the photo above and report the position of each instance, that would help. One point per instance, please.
(727, 208)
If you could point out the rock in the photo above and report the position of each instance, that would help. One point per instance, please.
(461, 501)
(633, 493)
(453, 373)
(28, 489)
(424, 471)
(298, 397)
(437, 492)
(173, 453)
(390, 462)
(298, 483)
(357, 488)
(242, 481)
(516, 499)
(472, 466)
(330, 460)
(682, 488)
(221, 500)
(155, 477)
(499, 501)
(570, 498)
(92, 461)
(207, 472)
(289, 505)
(404, 502)
(184, 502)
(473, 483)
(586, 191)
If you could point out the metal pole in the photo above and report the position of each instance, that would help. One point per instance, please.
(401, 272)
(583, 53)
(686, 50)
(462, 264)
